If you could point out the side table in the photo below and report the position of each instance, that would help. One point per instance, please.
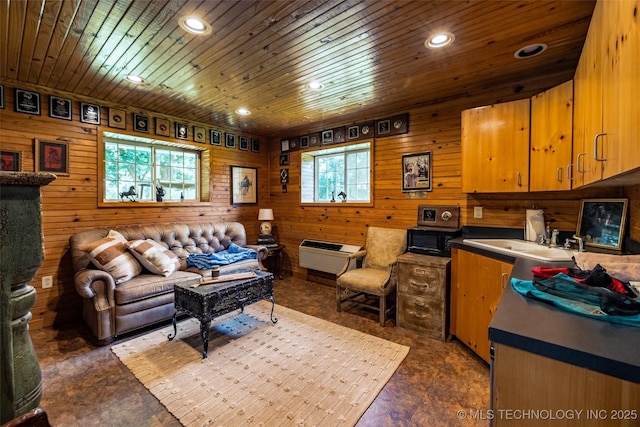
(274, 259)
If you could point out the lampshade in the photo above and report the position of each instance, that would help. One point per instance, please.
(265, 215)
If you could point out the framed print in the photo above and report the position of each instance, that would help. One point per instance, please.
(284, 145)
(353, 132)
(1, 97)
(244, 185)
(327, 137)
(416, 172)
(229, 140)
(117, 118)
(199, 134)
(162, 127)
(304, 141)
(383, 127)
(10, 161)
(215, 137)
(182, 130)
(89, 113)
(294, 144)
(60, 108)
(243, 143)
(52, 157)
(27, 102)
(314, 139)
(255, 145)
(339, 135)
(140, 123)
(601, 222)
(367, 129)
(284, 176)
(284, 159)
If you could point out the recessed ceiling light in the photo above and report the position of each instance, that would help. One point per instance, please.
(531, 50)
(316, 85)
(194, 25)
(440, 39)
(135, 79)
(243, 111)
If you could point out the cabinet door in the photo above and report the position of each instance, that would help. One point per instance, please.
(621, 85)
(551, 139)
(495, 148)
(480, 283)
(587, 121)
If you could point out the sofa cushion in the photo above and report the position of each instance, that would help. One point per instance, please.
(154, 257)
(150, 285)
(111, 255)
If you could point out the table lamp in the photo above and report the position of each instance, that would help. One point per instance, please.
(265, 237)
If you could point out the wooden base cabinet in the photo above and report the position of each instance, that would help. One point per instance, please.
(423, 282)
(479, 282)
(527, 387)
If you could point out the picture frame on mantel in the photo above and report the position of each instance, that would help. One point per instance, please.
(244, 185)
(601, 222)
(52, 157)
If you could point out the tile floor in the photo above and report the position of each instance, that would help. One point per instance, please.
(84, 385)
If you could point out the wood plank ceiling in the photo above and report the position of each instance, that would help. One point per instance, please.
(261, 54)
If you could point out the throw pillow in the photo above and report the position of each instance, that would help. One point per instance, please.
(154, 257)
(110, 254)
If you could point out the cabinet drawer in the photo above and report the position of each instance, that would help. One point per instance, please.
(425, 316)
(421, 281)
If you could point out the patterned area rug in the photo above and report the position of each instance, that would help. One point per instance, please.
(302, 371)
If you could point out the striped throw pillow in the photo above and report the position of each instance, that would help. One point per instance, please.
(154, 257)
(110, 254)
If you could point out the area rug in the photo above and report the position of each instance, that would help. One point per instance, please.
(302, 371)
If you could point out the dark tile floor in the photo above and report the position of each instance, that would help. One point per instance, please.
(84, 385)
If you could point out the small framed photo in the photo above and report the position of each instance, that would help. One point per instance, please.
(1, 97)
(353, 132)
(140, 123)
(243, 143)
(284, 176)
(284, 145)
(229, 140)
(52, 157)
(117, 118)
(314, 139)
(327, 137)
(601, 222)
(162, 127)
(10, 161)
(416, 172)
(27, 102)
(339, 135)
(182, 130)
(255, 145)
(215, 137)
(90, 113)
(60, 108)
(244, 185)
(304, 141)
(284, 159)
(384, 127)
(199, 134)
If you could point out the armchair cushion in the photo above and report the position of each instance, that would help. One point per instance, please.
(369, 280)
(110, 254)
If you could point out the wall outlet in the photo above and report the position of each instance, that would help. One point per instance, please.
(477, 212)
(47, 282)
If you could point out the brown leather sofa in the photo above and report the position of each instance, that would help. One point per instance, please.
(112, 309)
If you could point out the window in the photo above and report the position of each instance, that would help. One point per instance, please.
(141, 165)
(336, 174)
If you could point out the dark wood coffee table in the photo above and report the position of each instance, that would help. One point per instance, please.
(208, 301)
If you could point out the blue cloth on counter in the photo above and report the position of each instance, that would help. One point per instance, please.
(230, 255)
(589, 305)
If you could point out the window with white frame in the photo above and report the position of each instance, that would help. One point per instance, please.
(149, 167)
(336, 174)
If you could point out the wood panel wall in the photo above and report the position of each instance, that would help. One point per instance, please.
(435, 128)
(70, 203)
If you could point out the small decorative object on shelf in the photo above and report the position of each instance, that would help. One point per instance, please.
(343, 195)
(129, 194)
(159, 193)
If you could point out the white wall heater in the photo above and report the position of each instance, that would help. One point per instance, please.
(327, 257)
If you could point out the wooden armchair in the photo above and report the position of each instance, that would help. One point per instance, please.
(376, 274)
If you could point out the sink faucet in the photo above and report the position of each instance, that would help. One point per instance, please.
(554, 238)
(580, 243)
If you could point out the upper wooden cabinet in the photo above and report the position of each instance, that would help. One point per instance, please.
(607, 87)
(495, 148)
(551, 139)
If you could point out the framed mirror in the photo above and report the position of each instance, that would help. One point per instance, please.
(601, 222)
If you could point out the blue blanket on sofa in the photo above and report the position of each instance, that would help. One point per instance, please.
(230, 255)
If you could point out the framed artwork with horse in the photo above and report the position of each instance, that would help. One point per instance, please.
(244, 185)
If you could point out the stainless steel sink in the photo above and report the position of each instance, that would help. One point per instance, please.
(522, 248)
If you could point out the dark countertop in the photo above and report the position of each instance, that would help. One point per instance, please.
(540, 328)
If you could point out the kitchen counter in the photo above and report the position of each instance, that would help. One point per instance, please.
(542, 329)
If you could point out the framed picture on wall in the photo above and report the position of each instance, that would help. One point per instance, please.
(215, 137)
(1, 97)
(199, 135)
(60, 108)
(182, 130)
(141, 123)
(27, 101)
(162, 127)
(243, 143)
(601, 222)
(416, 172)
(52, 157)
(244, 185)
(255, 145)
(90, 113)
(10, 161)
(229, 140)
(117, 118)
